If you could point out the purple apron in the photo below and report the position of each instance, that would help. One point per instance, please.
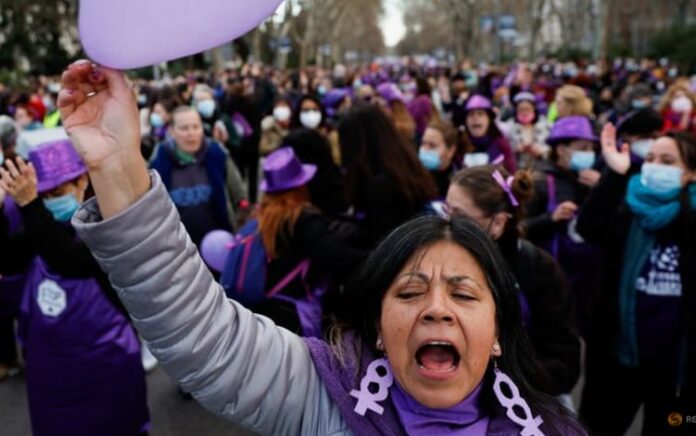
(581, 262)
(84, 374)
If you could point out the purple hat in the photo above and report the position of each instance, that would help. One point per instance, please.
(570, 129)
(478, 102)
(334, 97)
(283, 171)
(390, 92)
(56, 162)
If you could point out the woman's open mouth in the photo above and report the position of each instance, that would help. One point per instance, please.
(437, 359)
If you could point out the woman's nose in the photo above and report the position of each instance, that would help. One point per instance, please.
(437, 309)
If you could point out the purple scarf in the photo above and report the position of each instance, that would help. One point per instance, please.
(466, 418)
(340, 378)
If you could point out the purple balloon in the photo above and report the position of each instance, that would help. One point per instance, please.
(124, 34)
(215, 247)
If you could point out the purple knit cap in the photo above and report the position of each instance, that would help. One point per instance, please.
(334, 97)
(571, 128)
(283, 171)
(56, 163)
(390, 92)
(478, 102)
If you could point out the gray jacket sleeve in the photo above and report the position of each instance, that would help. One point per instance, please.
(238, 365)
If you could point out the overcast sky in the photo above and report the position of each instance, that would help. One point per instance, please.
(393, 23)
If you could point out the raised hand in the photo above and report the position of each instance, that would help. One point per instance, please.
(100, 114)
(564, 211)
(19, 181)
(618, 160)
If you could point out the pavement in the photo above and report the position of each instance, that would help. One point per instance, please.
(170, 412)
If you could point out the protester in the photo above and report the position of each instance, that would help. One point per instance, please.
(572, 100)
(432, 297)
(385, 182)
(84, 374)
(561, 186)
(202, 180)
(642, 341)
(441, 153)
(305, 260)
(392, 100)
(527, 131)
(495, 200)
(275, 127)
(639, 129)
(677, 108)
(485, 141)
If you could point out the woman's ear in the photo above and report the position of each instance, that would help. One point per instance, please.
(497, 351)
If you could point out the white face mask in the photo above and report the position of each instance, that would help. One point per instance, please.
(310, 119)
(682, 104)
(476, 159)
(282, 113)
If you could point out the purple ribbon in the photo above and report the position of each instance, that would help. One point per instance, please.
(506, 185)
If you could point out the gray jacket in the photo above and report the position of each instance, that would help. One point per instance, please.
(238, 365)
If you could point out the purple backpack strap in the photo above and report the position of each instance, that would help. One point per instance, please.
(301, 269)
(551, 208)
(248, 241)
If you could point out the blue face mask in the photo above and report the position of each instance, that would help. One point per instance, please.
(661, 178)
(2, 158)
(156, 121)
(639, 104)
(582, 160)
(206, 108)
(62, 208)
(641, 147)
(430, 159)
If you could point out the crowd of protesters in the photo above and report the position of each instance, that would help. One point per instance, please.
(306, 192)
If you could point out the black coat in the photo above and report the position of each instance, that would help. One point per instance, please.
(56, 243)
(605, 220)
(552, 328)
(539, 226)
(332, 261)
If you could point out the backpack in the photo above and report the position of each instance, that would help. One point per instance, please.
(244, 279)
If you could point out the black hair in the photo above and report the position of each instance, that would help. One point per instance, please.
(366, 292)
(372, 148)
(326, 187)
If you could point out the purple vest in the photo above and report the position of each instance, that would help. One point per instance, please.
(84, 374)
(340, 379)
(11, 287)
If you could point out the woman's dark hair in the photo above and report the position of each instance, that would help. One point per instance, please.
(326, 187)
(366, 293)
(422, 86)
(490, 197)
(372, 147)
(297, 110)
(686, 144)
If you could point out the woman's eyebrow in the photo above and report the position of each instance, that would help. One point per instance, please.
(457, 279)
(417, 275)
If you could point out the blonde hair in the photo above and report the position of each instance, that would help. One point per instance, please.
(576, 100)
(682, 84)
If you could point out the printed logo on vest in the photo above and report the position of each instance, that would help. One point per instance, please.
(52, 299)
(661, 276)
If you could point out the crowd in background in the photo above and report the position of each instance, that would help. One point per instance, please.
(583, 173)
